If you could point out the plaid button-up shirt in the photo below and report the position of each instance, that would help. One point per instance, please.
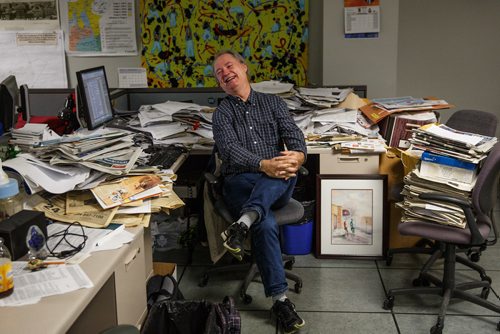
(247, 132)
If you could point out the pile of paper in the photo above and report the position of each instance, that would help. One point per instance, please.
(32, 134)
(384, 107)
(127, 200)
(173, 122)
(443, 140)
(435, 211)
(327, 97)
(450, 160)
(327, 116)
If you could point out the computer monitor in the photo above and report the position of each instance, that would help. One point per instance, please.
(9, 100)
(24, 103)
(93, 96)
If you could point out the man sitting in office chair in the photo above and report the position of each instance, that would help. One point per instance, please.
(251, 130)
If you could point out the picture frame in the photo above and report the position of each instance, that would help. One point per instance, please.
(352, 216)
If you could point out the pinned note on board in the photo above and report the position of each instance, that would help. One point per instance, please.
(132, 78)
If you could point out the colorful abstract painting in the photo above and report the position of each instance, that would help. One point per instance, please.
(180, 38)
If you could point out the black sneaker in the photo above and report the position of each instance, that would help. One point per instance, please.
(288, 319)
(233, 239)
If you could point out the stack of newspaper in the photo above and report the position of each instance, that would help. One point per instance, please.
(327, 116)
(406, 103)
(173, 122)
(78, 161)
(449, 164)
(438, 212)
(128, 201)
(31, 134)
(443, 140)
(326, 97)
(110, 151)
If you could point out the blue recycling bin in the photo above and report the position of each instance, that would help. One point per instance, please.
(297, 238)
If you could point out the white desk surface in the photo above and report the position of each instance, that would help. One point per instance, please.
(56, 314)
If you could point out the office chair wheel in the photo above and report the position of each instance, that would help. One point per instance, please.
(424, 243)
(486, 278)
(388, 260)
(388, 303)
(289, 264)
(485, 292)
(498, 326)
(298, 287)
(203, 281)
(420, 281)
(247, 299)
(474, 257)
(437, 328)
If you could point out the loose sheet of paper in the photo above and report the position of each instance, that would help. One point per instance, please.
(30, 287)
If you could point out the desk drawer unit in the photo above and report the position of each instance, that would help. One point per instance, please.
(335, 163)
(131, 284)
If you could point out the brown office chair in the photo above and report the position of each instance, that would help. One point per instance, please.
(474, 121)
(289, 214)
(479, 216)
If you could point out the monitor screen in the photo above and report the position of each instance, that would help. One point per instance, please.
(9, 100)
(94, 96)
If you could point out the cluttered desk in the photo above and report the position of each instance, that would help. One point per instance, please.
(89, 196)
(118, 169)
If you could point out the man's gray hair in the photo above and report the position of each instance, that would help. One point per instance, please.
(227, 52)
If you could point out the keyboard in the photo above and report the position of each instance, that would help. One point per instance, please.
(166, 156)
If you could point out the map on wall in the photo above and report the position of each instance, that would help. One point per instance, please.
(100, 27)
(180, 38)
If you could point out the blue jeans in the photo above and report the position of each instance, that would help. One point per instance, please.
(258, 192)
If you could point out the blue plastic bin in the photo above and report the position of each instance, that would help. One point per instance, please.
(297, 238)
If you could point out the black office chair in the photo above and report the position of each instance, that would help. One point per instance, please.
(479, 216)
(473, 121)
(289, 214)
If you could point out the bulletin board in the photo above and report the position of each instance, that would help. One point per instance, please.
(180, 38)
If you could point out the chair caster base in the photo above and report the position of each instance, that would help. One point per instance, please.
(485, 292)
(420, 281)
(437, 329)
(388, 303)
(298, 287)
(203, 281)
(246, 299)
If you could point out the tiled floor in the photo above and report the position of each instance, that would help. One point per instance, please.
(346, 296)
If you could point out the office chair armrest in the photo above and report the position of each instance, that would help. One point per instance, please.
(211, 178)
(303, 171)
(476, 237)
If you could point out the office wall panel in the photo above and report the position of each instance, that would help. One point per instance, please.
(370, 61)
(450, 49)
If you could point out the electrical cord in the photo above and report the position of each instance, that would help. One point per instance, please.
(63, 237)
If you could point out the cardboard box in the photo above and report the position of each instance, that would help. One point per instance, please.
(396, 240)
(391, 164)
(409, 161)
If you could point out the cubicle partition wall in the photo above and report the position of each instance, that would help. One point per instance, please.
(133, 98)
(48, 102)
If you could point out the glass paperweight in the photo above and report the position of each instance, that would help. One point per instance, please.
(35, 240)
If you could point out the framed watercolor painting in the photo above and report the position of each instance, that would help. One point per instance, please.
(352, 216)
